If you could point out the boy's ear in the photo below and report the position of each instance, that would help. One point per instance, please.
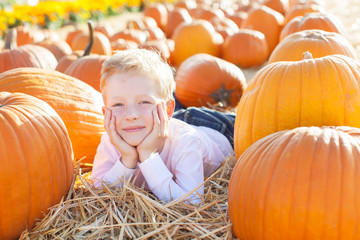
(170, 107)
(103, 109)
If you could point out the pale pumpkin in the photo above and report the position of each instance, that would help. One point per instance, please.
(289, 94)
(320, 43)
(78, 104)
(36, 162)
(298, 184)
(316, 20)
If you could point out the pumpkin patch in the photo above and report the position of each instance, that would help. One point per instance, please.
(288, 69)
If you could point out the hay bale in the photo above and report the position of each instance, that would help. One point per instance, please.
(132, 213)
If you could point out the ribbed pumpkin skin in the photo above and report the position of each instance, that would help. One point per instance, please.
(298, 184)
(87, 69)
(36, 162)
(320, 43)
(285, 95)
(315, 20)
(27, 56)
(201, 75)
(78, 104)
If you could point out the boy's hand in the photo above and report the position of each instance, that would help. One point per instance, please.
(154, 142)
(129, 155)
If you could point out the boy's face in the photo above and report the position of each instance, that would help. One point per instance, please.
(132, 97)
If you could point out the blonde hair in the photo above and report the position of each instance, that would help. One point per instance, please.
(145, 62)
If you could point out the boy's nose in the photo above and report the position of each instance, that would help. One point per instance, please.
(131, 114)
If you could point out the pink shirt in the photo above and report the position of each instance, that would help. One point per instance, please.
(189, 154)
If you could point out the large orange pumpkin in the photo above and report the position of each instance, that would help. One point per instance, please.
(289, 94)
(320, 43)
(315, 20)
(78, 104)
(298, 184)
(203, 80)
(198, 36)
(36, 162)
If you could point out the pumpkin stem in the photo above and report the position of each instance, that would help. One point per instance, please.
(10, 39)
(307, 55)
(88, 47)
(222, 96)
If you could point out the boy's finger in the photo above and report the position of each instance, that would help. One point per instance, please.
(162, 119)
(106, 119)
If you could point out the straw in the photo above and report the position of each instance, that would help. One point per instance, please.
(133, 213)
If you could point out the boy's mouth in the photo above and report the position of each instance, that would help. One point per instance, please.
(133, 129)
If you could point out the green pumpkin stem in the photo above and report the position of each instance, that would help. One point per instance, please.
(10, 39)
(88, 47)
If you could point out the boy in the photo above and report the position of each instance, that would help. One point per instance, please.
(143, 140)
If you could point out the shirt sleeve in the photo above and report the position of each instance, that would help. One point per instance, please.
(107, 165)
(187, 174)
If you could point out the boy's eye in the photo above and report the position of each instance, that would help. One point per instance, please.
(118, 105)
(145, 102)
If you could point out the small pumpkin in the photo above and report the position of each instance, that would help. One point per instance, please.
(246, 48)
(281, 6)
(159, 12)
(28, 35)
(87, 69)
(298, 184)
(198, 36)
(101, 44)
(175, 17)
(28, 55)
(284, 95)
(59, 48)
(205, 80)
(136, 35)
(267, 21)
(65, 61)
(36, 160)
